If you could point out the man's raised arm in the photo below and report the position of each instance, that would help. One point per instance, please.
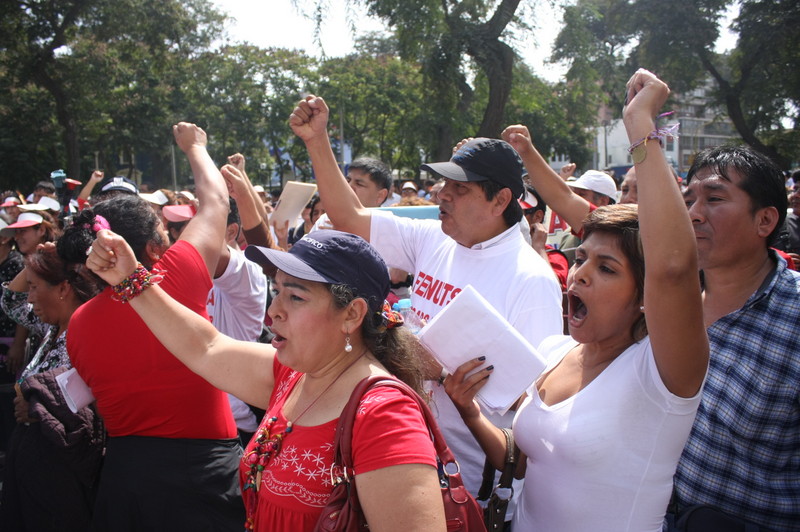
(554, 191)
(309, 121)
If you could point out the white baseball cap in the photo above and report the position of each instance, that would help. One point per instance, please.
(45, 203)
(26, 219)
(597, 181)
(156, 198)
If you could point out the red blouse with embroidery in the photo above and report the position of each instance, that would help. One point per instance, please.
(295, 485)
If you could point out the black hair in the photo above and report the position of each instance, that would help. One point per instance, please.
(128, 215)
(397, 349)
(233, 213)
(378, 171)
(762, 179)
(45, 185)
(313, 203)
(513, 212)
(48, 265)
(233, 218)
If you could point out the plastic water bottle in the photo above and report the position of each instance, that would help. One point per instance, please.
(410, 318)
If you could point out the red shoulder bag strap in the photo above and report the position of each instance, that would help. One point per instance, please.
(461, 511)
(344, 430)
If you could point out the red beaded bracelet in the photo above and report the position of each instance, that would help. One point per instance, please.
(136, 283)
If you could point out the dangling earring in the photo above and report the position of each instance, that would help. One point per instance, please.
(347, 346)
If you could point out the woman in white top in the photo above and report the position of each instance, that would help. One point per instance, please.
(603, 427)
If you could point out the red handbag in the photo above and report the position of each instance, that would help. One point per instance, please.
(343, 512)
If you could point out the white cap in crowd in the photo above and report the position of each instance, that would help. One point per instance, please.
(597, 181)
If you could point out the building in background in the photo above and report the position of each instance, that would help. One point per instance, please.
(702, 126)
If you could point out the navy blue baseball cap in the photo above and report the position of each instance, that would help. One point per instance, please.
(119, 183)
(484, 159)
(332, 257)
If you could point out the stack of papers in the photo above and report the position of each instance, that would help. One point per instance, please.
(470, 327)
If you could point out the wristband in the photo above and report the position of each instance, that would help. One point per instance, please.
(136, 283)
(638, 149)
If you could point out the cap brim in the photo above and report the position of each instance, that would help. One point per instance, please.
(31, 207)
(284, 261)
(156, 198)
(451, 170)
(11, 230)
(178, 213)
(528, 201)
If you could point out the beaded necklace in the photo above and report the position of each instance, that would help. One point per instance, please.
(268, 445)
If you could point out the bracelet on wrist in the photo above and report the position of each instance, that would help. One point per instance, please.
(638, 149)
(136, 283)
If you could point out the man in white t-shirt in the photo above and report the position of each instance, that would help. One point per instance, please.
(476, 241)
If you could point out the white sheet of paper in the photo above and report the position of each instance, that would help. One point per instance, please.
(294, 198)
(469, 327)
(74, 389)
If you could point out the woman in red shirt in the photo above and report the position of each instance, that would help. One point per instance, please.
(331, 331)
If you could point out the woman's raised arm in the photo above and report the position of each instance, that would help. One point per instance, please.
(672, 298)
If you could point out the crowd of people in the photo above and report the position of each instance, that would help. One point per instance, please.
(220, 349)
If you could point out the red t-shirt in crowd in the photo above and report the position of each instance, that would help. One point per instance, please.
(141, 389)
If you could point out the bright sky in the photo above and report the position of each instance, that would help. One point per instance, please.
(280, 23)
(286, 24)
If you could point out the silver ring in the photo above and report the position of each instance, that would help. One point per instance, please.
(89, 250)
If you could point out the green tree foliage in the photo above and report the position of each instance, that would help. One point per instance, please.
(242, 95)
(379, 102)
(556, 114)
(81, 79)
(757, 82)
(440, 35)
(107, 65)
(30, 138)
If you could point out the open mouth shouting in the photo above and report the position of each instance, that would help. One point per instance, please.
(577, 310)
(278, 341)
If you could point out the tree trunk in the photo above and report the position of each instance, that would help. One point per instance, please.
(734, 107)
(496, 59)
(733, 104)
